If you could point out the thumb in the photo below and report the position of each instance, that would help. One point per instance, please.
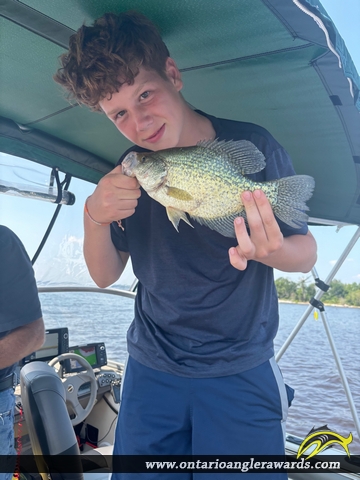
(117, 169)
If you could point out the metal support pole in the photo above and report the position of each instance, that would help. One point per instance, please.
(341, 372)
(318, 294)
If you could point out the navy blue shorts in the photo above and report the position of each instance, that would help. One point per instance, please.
(165, 414)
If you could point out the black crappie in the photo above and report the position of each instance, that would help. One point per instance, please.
(206, 182)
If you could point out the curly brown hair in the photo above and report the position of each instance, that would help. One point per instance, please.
(108, 54)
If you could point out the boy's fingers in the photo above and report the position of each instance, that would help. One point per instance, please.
(237, 260)
(262, 223)
(122, 181)
(117, 169)
(245, 249)
(117, 179)
(270, 224)
(242, 236)
(252, 212)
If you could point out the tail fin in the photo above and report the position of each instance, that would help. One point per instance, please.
(293, 192)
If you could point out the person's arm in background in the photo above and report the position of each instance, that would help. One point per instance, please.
(21, 342)
(21, 323)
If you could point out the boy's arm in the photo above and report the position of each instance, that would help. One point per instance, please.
(266, 244)
(104, 262)
(115, 198)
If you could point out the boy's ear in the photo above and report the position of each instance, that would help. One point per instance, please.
(173, 73)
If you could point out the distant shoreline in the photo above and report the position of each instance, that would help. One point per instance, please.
(327, 304)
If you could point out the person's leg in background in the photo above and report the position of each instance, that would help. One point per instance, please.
(7, 402)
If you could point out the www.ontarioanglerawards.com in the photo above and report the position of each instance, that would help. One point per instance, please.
(242, 466)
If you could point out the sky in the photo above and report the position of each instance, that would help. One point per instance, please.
(52, 264)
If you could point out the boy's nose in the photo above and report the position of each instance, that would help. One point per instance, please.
(143, 120)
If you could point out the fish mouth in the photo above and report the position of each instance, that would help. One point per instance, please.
(129, 163)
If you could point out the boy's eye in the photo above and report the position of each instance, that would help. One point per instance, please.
(145, 95)
(120, 114)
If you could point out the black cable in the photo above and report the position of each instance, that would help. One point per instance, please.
(66, 184)
(107, 433)
(112, 408)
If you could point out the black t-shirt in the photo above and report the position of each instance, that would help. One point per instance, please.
(195, 314)
(19, 300)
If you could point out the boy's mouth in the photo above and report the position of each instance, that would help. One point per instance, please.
(156, 136)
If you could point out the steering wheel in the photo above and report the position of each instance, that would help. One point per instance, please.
(73, 383)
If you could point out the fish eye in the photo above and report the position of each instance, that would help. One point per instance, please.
(143, 159)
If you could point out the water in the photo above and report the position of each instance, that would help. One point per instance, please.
(307, 365)
(91, 317)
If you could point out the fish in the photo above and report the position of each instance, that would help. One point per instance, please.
(322, 438)
(205, 182)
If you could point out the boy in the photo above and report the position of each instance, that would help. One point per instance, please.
(201, 378)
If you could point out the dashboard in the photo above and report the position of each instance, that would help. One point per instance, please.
(57, 343)
(91, 387)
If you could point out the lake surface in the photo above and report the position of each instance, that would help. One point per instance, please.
(307, 365)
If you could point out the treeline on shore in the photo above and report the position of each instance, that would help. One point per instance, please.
(339, 293)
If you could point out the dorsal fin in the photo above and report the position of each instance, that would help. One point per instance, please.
(243, 154)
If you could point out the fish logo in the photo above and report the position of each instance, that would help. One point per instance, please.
(322, 438)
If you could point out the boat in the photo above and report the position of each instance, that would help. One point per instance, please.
(281, 64)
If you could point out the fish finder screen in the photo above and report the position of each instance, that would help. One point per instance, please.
(87, 352)
(94, 353)
(50, 348)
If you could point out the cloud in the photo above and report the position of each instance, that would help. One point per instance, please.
(73, 239)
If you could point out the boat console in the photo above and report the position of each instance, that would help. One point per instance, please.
(90, 386)
(57, 342)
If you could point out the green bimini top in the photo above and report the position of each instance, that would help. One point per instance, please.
(278, 63)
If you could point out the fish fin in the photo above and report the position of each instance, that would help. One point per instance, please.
(175, 216)
(244, 155)
(178, 193)
(223, 225)
(293, 192)
(319, 429)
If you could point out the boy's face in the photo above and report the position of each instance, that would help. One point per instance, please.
(150, 112)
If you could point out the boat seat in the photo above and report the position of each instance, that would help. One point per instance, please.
(50, 429)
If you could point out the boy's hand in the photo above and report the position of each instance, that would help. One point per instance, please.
(114, 198)
(265, 236)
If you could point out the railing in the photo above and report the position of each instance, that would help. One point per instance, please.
(108, 291)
